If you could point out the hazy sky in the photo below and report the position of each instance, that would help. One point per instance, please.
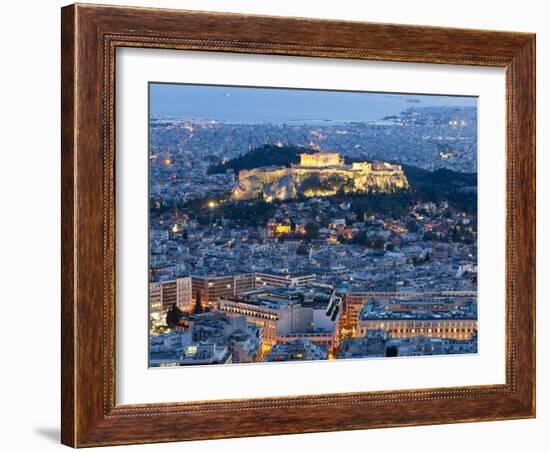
(254, 105)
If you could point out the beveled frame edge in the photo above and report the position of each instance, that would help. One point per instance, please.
(90, 35)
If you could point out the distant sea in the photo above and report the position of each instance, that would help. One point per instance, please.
(247, 105)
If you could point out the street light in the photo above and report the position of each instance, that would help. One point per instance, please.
(211, 205)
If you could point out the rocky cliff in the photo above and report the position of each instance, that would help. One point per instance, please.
(281, 183)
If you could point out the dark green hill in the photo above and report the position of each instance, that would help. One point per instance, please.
(459, 189)
(441, 177)
(266, 155)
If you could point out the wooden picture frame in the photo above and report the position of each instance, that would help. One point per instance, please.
(90, 36)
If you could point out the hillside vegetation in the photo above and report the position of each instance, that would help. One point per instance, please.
(266, 155)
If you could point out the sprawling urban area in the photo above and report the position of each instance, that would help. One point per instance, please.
(313, 240)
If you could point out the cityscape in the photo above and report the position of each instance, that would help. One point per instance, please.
(292, 225)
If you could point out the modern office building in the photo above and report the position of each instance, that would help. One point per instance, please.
(184, 294)
(213, 288)
(163, 294)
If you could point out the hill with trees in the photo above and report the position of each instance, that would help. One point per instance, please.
(266, 155)
(458, 189)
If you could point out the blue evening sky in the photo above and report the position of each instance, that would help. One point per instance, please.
(276, 105)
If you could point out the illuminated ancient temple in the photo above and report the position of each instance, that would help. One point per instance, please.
(321, 159)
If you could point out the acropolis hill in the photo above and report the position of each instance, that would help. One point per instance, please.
(319, 174)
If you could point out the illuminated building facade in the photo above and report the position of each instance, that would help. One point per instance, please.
(437, 317)
(169, 295)
(213, 288)
(155, 300)
(351, 308)
(163, 294)
(184, 297)
(354, 302)
(262, 316)
(406, 328)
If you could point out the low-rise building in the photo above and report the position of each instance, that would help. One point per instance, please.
(372, 345)
(282, 279)
(205, 353)
(298, 350)
(421, 346)
(243, 339)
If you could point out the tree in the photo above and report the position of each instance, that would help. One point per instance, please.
(412, 226)
(173, 316)
(429, 236)
(198, 305)
(302, 250)
(456, 237)
(378, 243)
(292, 225)
(360, 239)
(312, 230)
(266, 155)
(391, 351)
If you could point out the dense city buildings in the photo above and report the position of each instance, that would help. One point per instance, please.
(308, 240)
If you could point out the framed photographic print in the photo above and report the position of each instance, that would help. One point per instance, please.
(280, 225)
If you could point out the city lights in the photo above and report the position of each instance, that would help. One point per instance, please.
(276, 240)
